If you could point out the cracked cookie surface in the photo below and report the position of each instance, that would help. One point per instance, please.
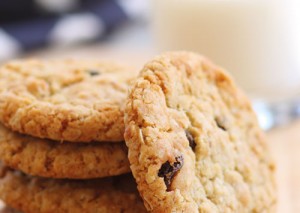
(32, 194)
(64, 100)
(194, 141)
(45, 158)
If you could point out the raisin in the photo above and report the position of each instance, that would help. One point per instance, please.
(93, 72)
(191, 140)
(168, 171)
(220, 123)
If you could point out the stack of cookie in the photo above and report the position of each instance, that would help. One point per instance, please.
(61, 137)
(192, 138)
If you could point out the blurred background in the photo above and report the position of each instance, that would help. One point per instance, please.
(257, 41)
(28, 26)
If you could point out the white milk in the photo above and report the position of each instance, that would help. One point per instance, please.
(258, 41)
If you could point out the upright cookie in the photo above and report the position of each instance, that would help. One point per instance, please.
(45, 158)
(67, 100)
(194, 142)
(32, 194)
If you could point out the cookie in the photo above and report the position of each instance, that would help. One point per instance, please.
(33, 194)
(64, 100)
(194, 141)
(46, 158)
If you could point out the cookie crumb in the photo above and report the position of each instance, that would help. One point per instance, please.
(221, 123)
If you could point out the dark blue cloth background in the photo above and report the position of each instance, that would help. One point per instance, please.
(29, 25)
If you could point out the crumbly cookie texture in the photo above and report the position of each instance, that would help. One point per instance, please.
(46, 158)
(33, 194)
(64, 100)
(194, 141)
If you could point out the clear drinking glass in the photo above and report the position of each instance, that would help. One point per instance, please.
(257, 41)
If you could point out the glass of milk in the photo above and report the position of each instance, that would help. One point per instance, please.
(257, 41)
